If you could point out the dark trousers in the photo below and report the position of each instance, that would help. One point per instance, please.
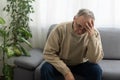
(89, 71)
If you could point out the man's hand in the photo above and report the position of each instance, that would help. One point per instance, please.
(69, 76)
(90, 27)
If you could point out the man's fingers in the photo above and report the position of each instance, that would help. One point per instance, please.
(89, 29)
(90, 25)
(87, 26)
(92, 22)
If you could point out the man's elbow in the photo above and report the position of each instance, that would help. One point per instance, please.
(96, 60)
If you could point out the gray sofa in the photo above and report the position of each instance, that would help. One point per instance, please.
(28, 68)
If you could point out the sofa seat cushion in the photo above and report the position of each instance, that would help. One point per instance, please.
(111, 69)
(31, 62)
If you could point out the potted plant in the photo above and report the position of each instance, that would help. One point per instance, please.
(16, 33)
(7, 69)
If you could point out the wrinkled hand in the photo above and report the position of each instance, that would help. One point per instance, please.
(69, 76)
(90, 27)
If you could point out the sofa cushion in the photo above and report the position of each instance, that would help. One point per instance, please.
(111, 69)
(30, 62)
(111, 42)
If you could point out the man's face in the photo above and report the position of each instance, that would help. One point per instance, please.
(80, 24)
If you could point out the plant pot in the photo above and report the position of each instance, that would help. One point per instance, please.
(2, 78)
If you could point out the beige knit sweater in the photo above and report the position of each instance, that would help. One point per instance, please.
(64, 47)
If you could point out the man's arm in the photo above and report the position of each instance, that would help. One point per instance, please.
(94, 49)
(51, 52)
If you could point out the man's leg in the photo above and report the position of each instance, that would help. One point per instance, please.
(48, 72)
(89, 71)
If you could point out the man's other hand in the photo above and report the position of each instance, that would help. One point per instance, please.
(69, 76)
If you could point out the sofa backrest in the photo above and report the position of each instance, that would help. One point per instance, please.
(51, 27)
(111, 42)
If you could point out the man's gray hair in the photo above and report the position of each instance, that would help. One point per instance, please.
(86, 13)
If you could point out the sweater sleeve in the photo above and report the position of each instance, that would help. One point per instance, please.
(94, 49)
(51, 52)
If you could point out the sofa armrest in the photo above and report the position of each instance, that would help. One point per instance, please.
(38, 71)
(36, 57)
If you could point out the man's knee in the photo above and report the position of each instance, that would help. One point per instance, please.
(46, 68)
(96, 70)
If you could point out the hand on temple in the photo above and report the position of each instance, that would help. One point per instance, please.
(90, 27)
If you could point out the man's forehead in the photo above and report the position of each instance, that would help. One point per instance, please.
(82, 20)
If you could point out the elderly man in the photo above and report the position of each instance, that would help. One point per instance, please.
(73, 47)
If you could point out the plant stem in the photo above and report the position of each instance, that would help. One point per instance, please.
(4, 45)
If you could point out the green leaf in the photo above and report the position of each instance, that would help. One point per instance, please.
(25, 52)
(24, 40)
(2, 21)
(17, 50)
(10, 52)
(25, 31)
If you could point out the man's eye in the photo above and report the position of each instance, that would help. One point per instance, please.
(79, 25)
